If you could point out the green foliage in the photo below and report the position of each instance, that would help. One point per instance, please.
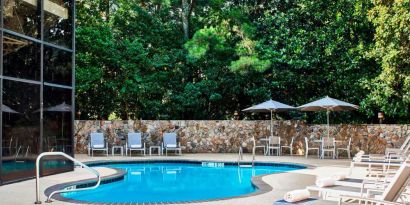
(246, 63)
(134, 58)
(390, 90)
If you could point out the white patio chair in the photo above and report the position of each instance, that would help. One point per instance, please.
(274, 144)
(260, 145)
(97, 143)
(310, 148)
(328, 146)
(289, 146)
(170, 143)
(347, 149)
(134, 143)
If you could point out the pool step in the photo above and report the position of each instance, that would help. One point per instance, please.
(245, 166)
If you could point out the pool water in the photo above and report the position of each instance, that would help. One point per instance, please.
(15, 166)
(176, 182)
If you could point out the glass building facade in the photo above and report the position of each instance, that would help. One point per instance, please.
(37, 84)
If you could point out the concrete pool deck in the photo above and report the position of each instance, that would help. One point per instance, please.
(23, 193)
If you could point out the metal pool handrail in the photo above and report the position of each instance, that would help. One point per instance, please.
(240, 157)
(61, 191)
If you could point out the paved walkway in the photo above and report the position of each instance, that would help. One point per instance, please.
(23, 193)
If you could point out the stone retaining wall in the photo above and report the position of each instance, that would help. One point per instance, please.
(227, 135)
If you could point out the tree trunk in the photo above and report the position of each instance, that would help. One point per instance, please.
(185, 18)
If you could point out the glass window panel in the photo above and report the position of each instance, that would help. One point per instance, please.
(22, 16)
(21, 58)
(57, 126)
(58, 22)
(57, 66)
(57, 119)
(21, 129)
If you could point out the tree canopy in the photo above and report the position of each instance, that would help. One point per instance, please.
(195, 59)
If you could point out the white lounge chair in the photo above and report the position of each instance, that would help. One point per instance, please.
(289, 146)
(310, 148)
(97, 143)
(274, 144)
(134, 143)
(390, 195)
(170, 143)
(404, 148)
(383, 162)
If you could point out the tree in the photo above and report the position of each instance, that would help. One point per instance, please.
(390, 90)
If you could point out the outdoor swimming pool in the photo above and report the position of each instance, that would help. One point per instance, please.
(178, 182)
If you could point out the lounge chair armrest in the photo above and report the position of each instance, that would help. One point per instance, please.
(371, 200)
(374, 191)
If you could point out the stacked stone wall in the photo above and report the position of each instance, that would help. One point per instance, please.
(226, 136)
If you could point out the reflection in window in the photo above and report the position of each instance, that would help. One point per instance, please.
(57, 66)
(22, 16)
(57, 128)
(57, 114)
(21, 129)
(21, 58)
(58, 22)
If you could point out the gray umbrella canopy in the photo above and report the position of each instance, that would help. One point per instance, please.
(328, 104)
(5, 108)
(269, 106)
(63, 107)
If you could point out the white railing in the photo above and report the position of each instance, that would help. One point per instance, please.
(38, 201)
(240, 154)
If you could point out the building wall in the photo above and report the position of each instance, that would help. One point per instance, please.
(227, 135)
(37, 82)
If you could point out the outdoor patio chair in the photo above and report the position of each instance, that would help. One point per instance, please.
(392, 194)
(365, 188)
(259, 145)
(328, 146)
(310, 148)
(274, 144)
(347, 149)
(289, 146)
(134, 143)
(382, 163)
(404, 148)
(170, 143)
(97, 143)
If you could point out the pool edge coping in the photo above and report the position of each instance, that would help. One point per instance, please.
(257, 181)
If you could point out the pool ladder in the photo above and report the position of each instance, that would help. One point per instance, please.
(240, 157)
(64, 190)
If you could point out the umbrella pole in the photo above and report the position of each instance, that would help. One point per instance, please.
(271, 123)
(328, 125)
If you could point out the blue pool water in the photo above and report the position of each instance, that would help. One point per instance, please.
(15, 166)
(177, 182)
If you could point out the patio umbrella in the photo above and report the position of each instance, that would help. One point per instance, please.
(328, 104)
(269, 106)
(5, 108)
(63, 107)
